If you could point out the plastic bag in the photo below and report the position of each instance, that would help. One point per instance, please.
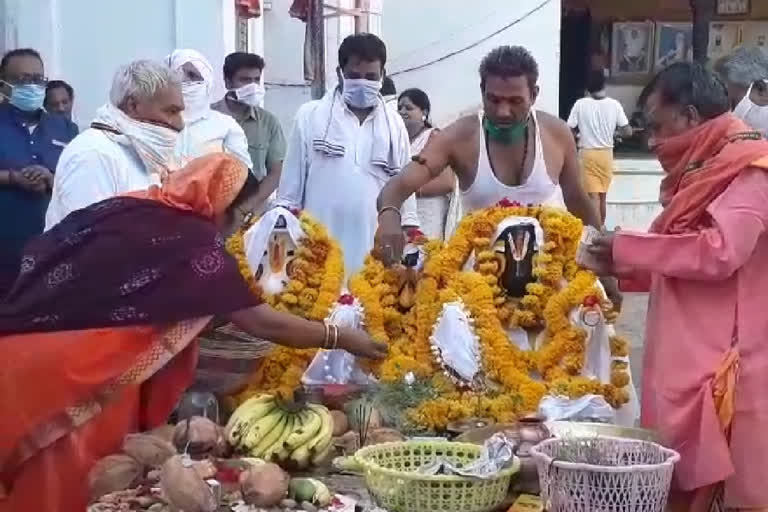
(338, 366)
(588, 407)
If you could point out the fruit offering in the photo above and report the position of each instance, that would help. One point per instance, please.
(295, 435)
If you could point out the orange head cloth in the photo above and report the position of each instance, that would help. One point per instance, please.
(206, 185)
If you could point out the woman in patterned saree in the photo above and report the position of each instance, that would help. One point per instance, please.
(97, 335)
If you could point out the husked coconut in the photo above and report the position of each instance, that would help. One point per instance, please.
(113, 473)
(184, 488)
(383, 435)
(198, 436)
(265, 485)
(340, 423)
(149, 450)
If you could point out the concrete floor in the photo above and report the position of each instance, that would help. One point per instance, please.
(631, 324)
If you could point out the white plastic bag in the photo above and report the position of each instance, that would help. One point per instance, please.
(588, 407)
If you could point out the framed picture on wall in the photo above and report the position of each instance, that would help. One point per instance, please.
(755, 33)
(631, 48)
(674, 43)
(732, 7)
(724, 37)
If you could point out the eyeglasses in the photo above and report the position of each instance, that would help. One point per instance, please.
(28, 80)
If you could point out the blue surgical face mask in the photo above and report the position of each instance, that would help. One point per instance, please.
(361, 93)
(26, 97)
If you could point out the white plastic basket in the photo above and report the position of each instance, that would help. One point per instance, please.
(623, 475)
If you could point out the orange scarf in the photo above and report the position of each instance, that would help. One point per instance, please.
(699, 166)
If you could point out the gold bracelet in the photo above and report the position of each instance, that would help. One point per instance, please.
(327, 335)
(391, 208)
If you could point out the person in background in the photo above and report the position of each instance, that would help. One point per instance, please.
(745, 73)
(510, 151)
(205, 130)
(266, 141)
(344, 149)
(595, 120)
(388, 91)
(31, 142)
(706, 260)
(98, 337)
(59, 98)
(431, 199)
(130, 144)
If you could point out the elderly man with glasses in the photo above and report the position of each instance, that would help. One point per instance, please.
(31, 142)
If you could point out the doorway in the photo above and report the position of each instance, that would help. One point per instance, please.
(574, 57)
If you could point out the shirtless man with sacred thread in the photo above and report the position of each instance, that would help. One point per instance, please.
(509, 151)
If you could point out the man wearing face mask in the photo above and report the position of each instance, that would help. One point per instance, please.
(266, 141)
(745, 73)
(129, 146)
(31, 142)
(344, 149)
(509, 151)
(706, 261)
(205, 130)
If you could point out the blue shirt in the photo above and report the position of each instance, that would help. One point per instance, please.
(22, 213)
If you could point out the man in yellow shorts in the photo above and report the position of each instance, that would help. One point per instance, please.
(595, 120)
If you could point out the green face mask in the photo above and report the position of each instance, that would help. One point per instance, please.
(505, 134)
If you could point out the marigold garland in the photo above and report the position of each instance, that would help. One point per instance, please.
(547, 303)
(316, 280)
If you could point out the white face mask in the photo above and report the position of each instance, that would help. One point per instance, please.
(196, 100)
(754, 115)
(251, 94)
(361, 93)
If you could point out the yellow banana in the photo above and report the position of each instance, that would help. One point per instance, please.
(323, 455)
(306, 432)
(323, 437)
(272, 450)
(251, 410)
(270, 438)
(282, 453)
(301, 457)
(259, 429)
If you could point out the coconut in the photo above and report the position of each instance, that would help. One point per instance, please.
(149, 450)
(184, 488)
(340, 423)
(198, 436)
(265, 485)
(164, 432)
(113, 473)
(383, 435)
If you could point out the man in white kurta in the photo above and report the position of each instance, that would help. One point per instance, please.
(343, 150)
(129, 146)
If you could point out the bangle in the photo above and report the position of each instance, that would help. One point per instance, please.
(327, 338)
(335, 337)
(391, 208)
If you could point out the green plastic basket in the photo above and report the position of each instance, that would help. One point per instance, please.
(390, 475)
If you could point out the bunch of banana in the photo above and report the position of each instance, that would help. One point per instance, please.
(263, 427)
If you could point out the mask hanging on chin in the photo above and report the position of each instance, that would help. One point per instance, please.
(508, 134)
(361, 93)
(27, 97)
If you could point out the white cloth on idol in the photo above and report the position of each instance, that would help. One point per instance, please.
(94, 167)
(339, 185)
(256, 238)
(207, 131)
